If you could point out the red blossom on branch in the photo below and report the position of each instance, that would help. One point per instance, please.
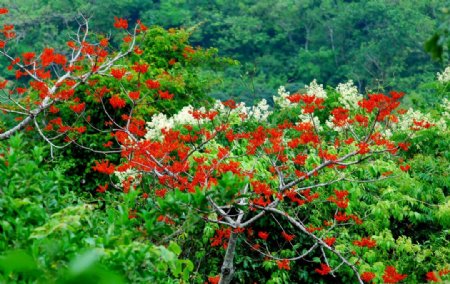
(120, 23)
(392, 276)
(283, 264)
(367, 276)
(324, 269)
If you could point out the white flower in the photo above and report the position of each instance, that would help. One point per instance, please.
(406, 121)
(444, 77)
(281, 99)
(316, 90)
(156, 124)
(260, 111)
(349, 95)
(446, 106)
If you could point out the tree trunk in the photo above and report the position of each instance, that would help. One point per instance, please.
(227, 270)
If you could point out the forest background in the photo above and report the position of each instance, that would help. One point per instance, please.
(55, 224)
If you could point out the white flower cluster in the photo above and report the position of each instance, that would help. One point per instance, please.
(316, 90)
(446, 106)
(406, 121)
(122, 176)
(281, 99)
(260, 111)
(313, 89)
(160, 121)
(444, 77)
(349, 95)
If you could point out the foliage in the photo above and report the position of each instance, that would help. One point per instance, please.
(48, 234)
(330, 185)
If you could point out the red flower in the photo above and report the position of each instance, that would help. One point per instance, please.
(120, 23)
(367, 276)
(134, 95)
(118, 73)
(405, 168)
(3, 11)
(214, 279)
(104, 167)
(230, 104)
(283, 264)
(330, 241)
(392, 276)
(117, 102)
(78, 108)
(161, 192)
(152, 84)
(53, 109)
(102, 188)
(3, 84)
(140, 68)
(366, 242)
(28, 56)
(300, 159)
(324, 269)
(341, 217)
(263, 235)
(431, 276)
(363, 148)
(287, 237)
(165, 95)
(108, 144)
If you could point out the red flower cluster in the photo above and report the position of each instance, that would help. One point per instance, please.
(383, 103)
(165, 95)
(161, 192)
(324, 269)
(405, 167)
(340, 116)
(283, 264)
(263, 235)
(151, 84)
(431, 277)
(287, 237)
(3, 11)
(340, 198)
(78, 108)
(214, 279)
(343, 217)
(330, 241)
(392, 276)
(311, 102)
(102, 188)
(365, 242)
(117, 102)
(134, 95)
(363, 148)
(219, 237)
(104, 167)
(118, 73)
(120, 23)
(367, 276)
(230, 104)
(140, 68)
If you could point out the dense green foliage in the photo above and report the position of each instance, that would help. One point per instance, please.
(378, 44)
(49, 234)
(56, 227)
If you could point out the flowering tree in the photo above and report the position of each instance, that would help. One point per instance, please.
(238, 167)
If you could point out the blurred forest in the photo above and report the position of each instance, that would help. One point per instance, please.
(377, 44)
